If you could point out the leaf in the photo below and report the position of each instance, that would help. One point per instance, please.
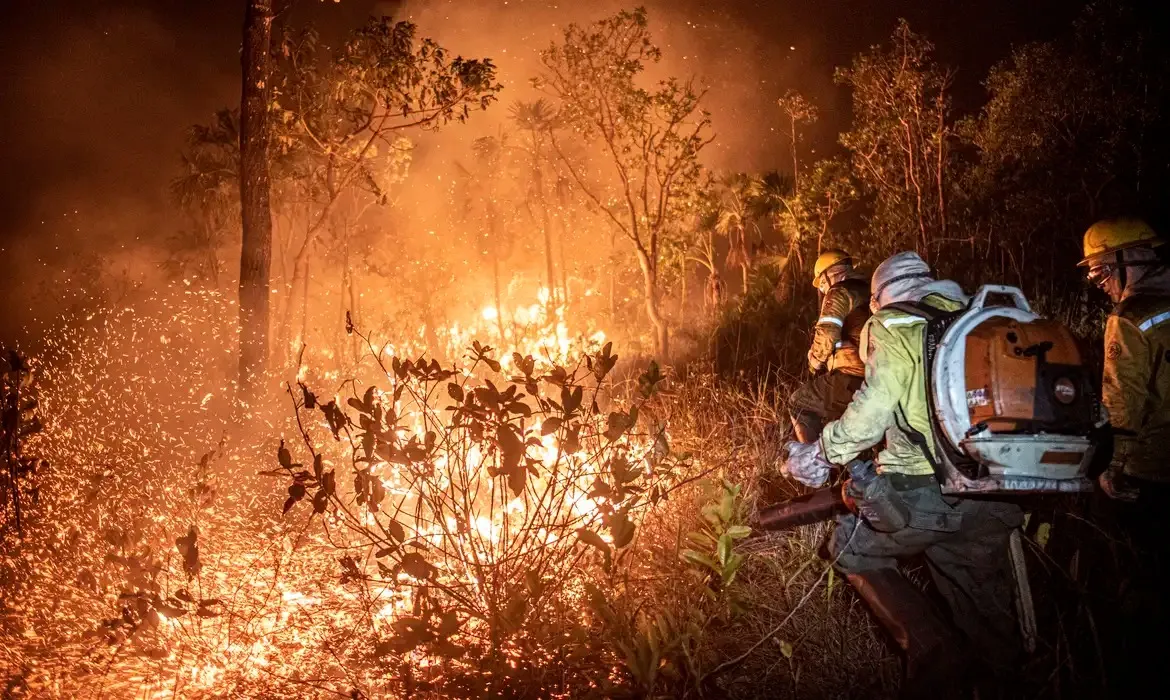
(356, 404)
(650, 379)
(169, 610)
(700, 559)
(738, 532)
(511, 449)
(592, 539)
(455, 391)
(188, 546)
(723, 548)
(397, 532)
(618, 423)
(731, 568)
(206, 607)
(600, 489)
(310, 400)
(622, 530)
(448, 624)
(550, 425)
(295, 493)
(416, 566)
(282, 454)
(320, 501)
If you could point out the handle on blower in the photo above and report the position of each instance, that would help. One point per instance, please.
(1017, 296)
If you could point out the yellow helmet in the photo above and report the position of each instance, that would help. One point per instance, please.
(828, 259)
(1111, 235)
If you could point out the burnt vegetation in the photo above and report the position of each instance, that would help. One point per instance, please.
(454, 486)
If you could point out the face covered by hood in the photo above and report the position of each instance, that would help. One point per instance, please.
(905, 277)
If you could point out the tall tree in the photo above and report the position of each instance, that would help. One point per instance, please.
(1073, 130)
(797, 112)
(901, 142)
(347, 111)
(255, 211)
(649, 140)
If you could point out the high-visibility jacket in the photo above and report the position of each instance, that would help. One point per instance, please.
(1135, 387)
(837, 335)
(892, 403)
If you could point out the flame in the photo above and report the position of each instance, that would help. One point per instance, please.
(138, 394)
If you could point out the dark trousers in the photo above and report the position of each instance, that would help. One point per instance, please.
(965, 543)
(821, 400)
(1140, 624)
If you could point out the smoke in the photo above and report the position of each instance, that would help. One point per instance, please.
(97, 98)
(743, 70)
(93, 118)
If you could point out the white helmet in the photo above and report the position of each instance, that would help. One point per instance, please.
(900, 270)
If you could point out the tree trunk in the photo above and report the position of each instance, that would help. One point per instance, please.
(564, 265)
(612, 277)
(653, 310)
(299, 282)
(545, 226)
(499, 299)
(256, 214)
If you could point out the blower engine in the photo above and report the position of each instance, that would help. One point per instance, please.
(1011, 398)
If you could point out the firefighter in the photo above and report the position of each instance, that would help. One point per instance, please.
(835, 350)
(1135, 387)
(1121, 260)
(965, 541)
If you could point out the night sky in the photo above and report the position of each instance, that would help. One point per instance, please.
(96, 96)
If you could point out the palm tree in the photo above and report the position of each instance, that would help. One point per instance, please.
(773, 196)
(734, 219)
(704, 251)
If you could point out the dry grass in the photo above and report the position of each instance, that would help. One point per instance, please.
(827, 645)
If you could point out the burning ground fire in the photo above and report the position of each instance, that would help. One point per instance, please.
(441, 526)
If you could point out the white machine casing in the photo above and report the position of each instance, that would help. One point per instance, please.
(1014, 462)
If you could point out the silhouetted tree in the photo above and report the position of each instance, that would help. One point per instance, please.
(256, 213)
(647, 142)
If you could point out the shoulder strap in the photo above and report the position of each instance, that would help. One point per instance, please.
(937, 321)
(917, 308)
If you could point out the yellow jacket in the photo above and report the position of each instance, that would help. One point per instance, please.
(892, 402)
(837, 335)
(1135, 387)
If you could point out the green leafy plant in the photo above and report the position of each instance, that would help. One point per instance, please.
(714, 544)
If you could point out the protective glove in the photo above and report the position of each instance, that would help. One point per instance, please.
(1117, 485)
(806, 463)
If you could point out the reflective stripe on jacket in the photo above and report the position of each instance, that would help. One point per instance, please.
(892, 397)
(837, 335)
(1135, 386)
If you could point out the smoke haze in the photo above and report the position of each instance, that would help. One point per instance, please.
(97, 98)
